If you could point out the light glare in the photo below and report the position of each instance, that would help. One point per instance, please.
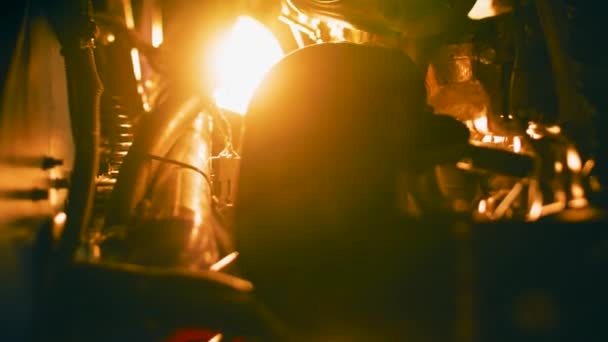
(136, 64)
(241, 63)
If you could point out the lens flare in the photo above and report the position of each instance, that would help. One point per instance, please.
(157, 31)
(136, 64)
(241, 62)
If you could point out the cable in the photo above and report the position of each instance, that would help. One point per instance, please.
(182, 164)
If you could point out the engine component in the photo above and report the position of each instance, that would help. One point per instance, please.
(117, 138)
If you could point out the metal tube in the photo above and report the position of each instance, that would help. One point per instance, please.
(155, 137)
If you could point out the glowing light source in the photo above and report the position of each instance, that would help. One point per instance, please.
(110, 38)
(536, 210)
(60, 218)
(588, 167)
(532, 131)
(216, 338)
(573, 160)
(482, 207)
(516, 144)
(578, 197)
(241, 62)
(559, 167)
(136, 64)
(157, 28)
(577, 191)
(554, 129)
(302, 18)
(482, 9)
(336, 30)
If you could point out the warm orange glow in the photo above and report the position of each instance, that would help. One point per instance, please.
(157, 28)
(302, 18)
(536, 210)
(588, 166)
(578, 203)
(110, 38)
(482, 207)
(241, 62)
(336, 30)
(578, 197)
(577, 191)
(516, 144)
(225, 261)
(574, 160)
(532, 131)
(553, 208)
(284, 9)
(129, 22)
(559, 167)
(554, 129)
(216, 338)
(482, 9)
(136, 64)
(481, 124)
(499, 139)
(60, 218)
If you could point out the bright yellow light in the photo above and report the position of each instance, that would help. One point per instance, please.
(136, 64)
(157, 34)
(559, 167)
(225, 261)
(482, 9)
(157, 29)
(336, 30)
(536, 210)
(241, 62)
(60, 218)
(516, 144)
(481, 124)
(573, 160)
(482, 206)
(554, 129)
(216, 338)
(129, 22)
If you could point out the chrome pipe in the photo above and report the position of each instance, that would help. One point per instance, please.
(155, 136)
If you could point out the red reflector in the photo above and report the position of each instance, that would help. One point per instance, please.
(198, 335)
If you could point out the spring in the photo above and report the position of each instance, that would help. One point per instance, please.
(116, 139)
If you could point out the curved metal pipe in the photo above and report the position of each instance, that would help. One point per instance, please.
(175, 224)
(156, 135)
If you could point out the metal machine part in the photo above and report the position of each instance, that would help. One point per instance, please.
(414, 18)
(174, 224)
(156, 136)
(452, 87)
(116, 139)
(176, 217)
